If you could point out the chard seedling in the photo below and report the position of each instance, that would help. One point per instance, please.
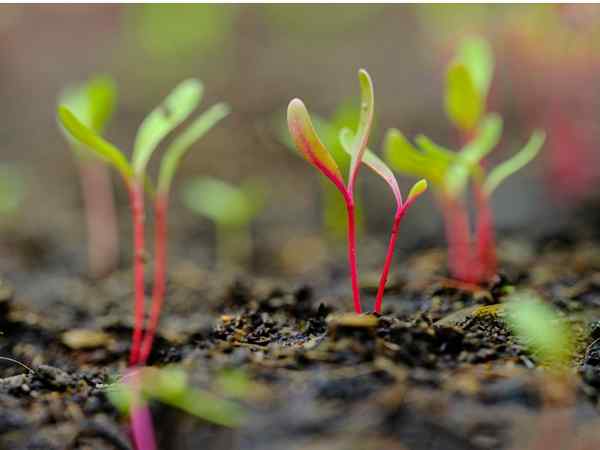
(372, 161)
(176, 108)
(93, 103)
(311, 147)
(232, 210)
(472, 260)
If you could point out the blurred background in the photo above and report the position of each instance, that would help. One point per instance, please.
(256, 58)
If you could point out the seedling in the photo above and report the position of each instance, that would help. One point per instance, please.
(176, 107)
(472, 260)
(232, 209)
(310, 146)
(93, 103)
(372, 161)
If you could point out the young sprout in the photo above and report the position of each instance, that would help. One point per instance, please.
(93, 103)
(176, 107)
(372, 161)
(472, 260)
(232, 209)
(311, 147)
(541, 329)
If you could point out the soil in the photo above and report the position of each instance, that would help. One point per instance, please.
(437, 370)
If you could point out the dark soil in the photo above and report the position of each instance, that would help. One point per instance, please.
(435, 371)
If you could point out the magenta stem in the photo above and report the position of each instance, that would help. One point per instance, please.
(136, 194)
(352, 256)
(160, 265)
(142, 427)
(486, 241)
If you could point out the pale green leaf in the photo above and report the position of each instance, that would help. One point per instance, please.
(94, 143)
(185, 140)
(102, 97)
(476, 54)
(221, 202)
(516, 163)
(367, 107)
(174, 109)
(464, 103)
(418, 188)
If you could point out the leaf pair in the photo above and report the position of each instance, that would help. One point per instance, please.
(467, 83)
(311, 147)
(174, 109)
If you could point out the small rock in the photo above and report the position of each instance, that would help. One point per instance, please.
(82, 339)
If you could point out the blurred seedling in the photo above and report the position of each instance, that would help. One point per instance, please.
(93, 102)
(12, 190)
(170, 386)
(176, 108)
(470, 259)
(232, 209)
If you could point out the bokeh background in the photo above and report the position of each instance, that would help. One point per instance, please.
(256, 58)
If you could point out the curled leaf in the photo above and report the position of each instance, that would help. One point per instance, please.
(464, 103)
(184, 141)
(308, 143)
(516, 163)
(174, 109)
(372, 161)
(418, 188)
(367, 107)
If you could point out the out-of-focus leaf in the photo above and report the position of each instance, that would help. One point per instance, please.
(174, 109)
(361, 138)
(464, 103)
(102, 95)
(184, 141)
(516, 163)
(92, 141)
(415, 192)
(308, 143)
(12, 189)
(219, 201)
(539, 327)
(467, 161)
(476, 54)
(372, 161)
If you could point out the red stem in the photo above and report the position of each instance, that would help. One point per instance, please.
(388, 258)
(136, 194)
(101, 218)
(352, 254)
(160, 264)
(458, 235)
(486, 242)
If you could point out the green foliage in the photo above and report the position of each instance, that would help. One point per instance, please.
(176, 107)
(170, 386)
(467, 83)
(365, 121)
(539, 327)
(224, 204)
(12, 189)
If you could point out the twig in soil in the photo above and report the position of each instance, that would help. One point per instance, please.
(14, 361)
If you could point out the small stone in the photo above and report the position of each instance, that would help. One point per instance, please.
(82, 339)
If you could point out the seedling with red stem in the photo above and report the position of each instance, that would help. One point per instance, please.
(372, 161)
(310, 146)
(176, 108)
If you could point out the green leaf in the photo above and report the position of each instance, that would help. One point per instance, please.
(418, 188)
(102, 98)
(367, 107)
(539, 327)
(516, 163)
(372, 161)
(308, 142)
(184, 141)
(467, 161)
(98, 146)
(403, 156)
(219, 201)
(174, 109)
(476, 54)
(464, 103)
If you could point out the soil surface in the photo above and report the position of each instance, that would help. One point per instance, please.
(437, 370)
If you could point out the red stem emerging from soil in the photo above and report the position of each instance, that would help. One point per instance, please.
(388, 258)
(101, 218)
(486, 242)
(160, 265)
(458, 235)
(352, 254)
(136, 194)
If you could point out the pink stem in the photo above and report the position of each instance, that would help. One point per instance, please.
(388, 258)
(352, 255)
(160, 263)
(142, 427)
(460, 259)
(486, 242)
(101, 218)
(136, 193)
